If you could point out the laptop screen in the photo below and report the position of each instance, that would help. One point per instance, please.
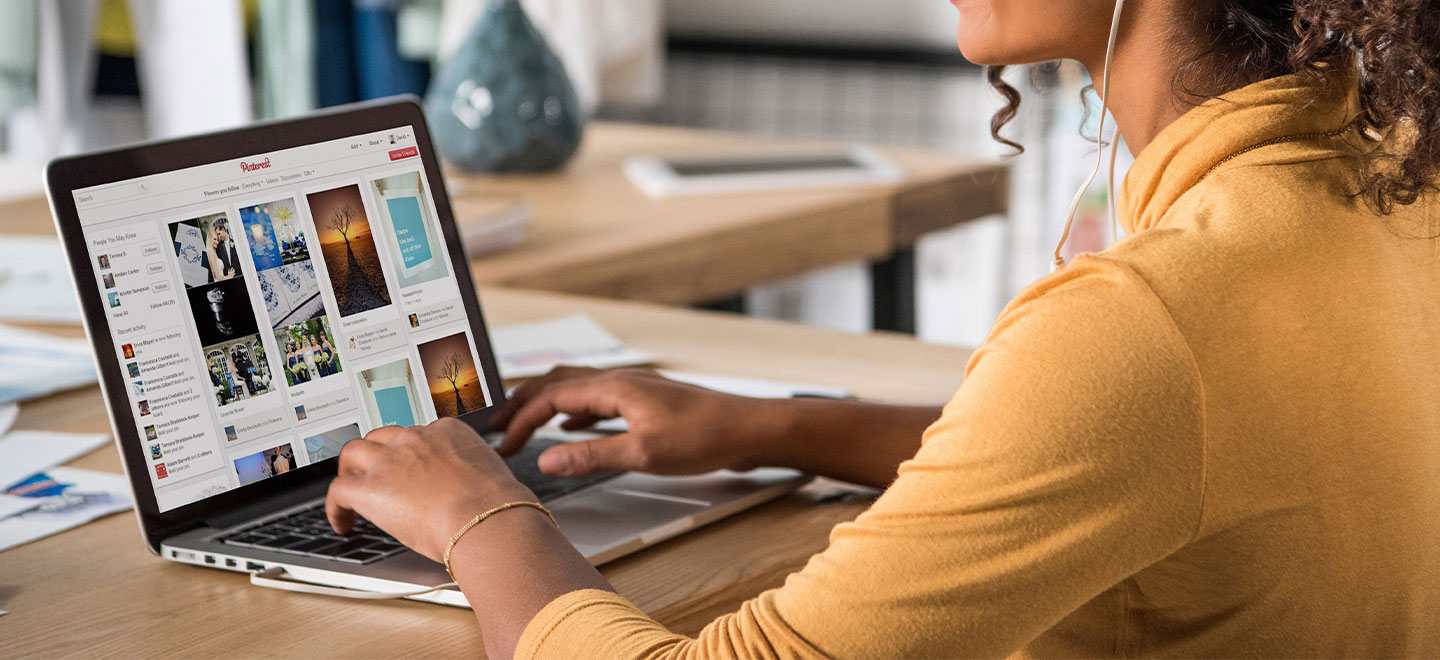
(266, 310)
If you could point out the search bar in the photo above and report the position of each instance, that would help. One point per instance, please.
(111, 194)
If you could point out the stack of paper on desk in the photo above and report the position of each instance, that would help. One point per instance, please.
(33, 364)
(531, 349)
(34, 283)
(58, 499)
(29, 452)
(38, 499)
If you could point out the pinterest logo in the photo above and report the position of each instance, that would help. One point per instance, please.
(257, 165)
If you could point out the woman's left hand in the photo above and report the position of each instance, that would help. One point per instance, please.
(420, 484)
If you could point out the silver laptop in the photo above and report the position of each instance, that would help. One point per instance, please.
(257, 298)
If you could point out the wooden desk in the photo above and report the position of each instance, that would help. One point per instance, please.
(595, 234)
(95, 591)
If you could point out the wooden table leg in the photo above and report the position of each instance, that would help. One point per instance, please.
(893, 292)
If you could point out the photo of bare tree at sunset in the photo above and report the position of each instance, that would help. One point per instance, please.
(349, 249)
(453, 381)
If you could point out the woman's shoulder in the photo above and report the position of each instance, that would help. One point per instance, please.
(1096, 307)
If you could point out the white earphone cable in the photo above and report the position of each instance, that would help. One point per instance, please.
(1112, 203)
(1099, 137)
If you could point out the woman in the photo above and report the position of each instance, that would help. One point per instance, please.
(317, 354)
(296, 362)
(1216, 438)
(281, 462)
(312, 356)
(220, 252)
(331, 361)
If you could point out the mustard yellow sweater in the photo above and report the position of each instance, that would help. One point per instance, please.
(1220, 437)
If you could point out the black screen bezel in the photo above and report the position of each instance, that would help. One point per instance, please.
(63, 176)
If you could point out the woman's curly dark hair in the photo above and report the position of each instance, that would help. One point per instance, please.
(1394, 43)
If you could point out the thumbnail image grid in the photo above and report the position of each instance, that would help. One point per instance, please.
(411, 234)
(307, 351)
(454, 381)
(238, 370)
(389, 394)
(328, 444)
(265, 464)
(348, 247)
(280, 251)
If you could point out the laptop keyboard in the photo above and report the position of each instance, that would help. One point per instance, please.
(307, 532)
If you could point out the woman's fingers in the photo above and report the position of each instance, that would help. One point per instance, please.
(608, 454)
(339, 507)
(527, 390)
(594, 397)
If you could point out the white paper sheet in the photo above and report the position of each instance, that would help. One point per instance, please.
(28, 452)
(8, 413)
(11, 505)
(34, 364)
(532, 349)
(90, 496)
(757, 388)
(34, 283)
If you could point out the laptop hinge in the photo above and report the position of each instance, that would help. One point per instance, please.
(268, 505)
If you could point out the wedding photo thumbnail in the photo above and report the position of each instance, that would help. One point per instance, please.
(238, 369)
(205, 249)
(454, 382)
(280, 250)
(348, 247)
(327, 445)
(411, 234)
(265, 464)
(389, 394)
(309, 351)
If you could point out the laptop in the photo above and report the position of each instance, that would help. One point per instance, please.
(256, 298)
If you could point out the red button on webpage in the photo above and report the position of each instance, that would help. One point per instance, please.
(397, 154)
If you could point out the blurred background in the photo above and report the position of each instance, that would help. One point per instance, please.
(78, 75)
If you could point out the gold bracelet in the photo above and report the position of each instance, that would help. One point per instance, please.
(480, 518)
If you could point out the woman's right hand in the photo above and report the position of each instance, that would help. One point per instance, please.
(674, 428)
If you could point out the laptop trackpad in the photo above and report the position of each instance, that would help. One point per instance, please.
(604, 517)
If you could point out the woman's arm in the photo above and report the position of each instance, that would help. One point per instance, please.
(852, 441)
(676, 428)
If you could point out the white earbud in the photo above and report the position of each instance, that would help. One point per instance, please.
(1100, 153)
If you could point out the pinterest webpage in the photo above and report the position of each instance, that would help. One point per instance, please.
(266, 310)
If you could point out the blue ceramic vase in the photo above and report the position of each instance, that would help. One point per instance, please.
(503, 102)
